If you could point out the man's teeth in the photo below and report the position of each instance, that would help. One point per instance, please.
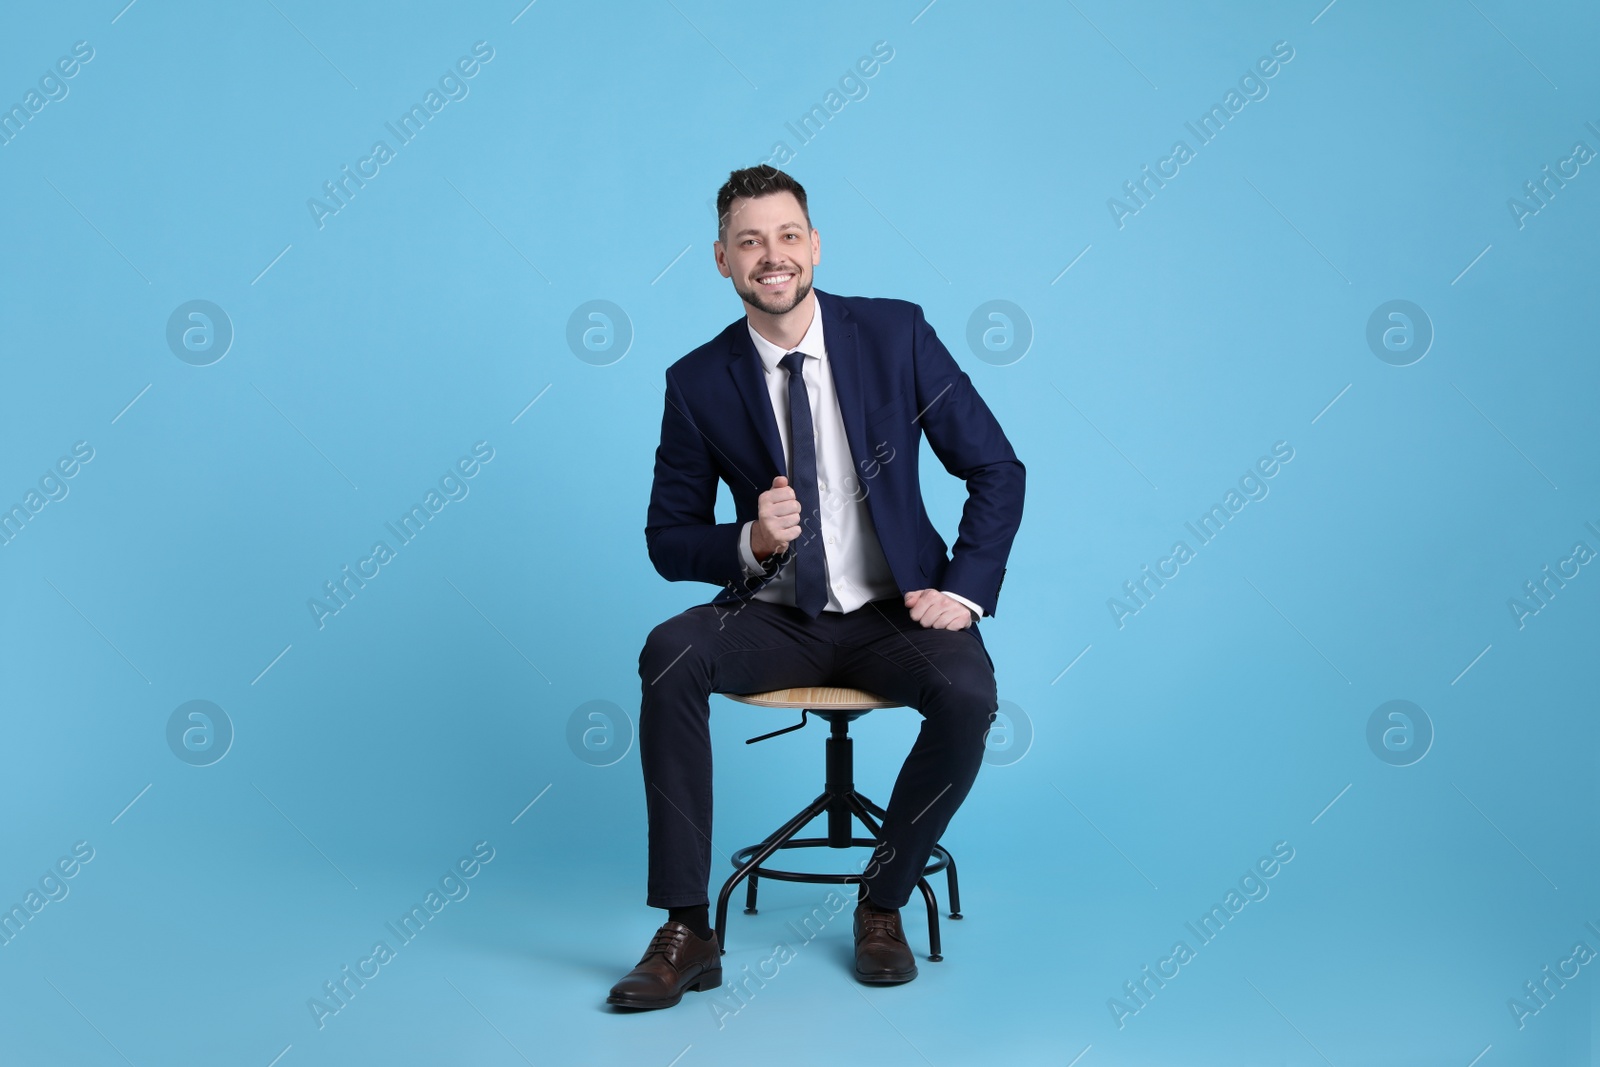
(775, 279)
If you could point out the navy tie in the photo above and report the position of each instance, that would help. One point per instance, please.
(810, 569)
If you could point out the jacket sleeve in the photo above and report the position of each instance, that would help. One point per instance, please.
(967, 439)
(684, 540)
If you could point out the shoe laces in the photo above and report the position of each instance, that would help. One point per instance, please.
(873, 920)
(667, 938)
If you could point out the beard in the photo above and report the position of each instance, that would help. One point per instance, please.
(774, 303)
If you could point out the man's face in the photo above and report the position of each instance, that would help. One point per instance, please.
(769, 252)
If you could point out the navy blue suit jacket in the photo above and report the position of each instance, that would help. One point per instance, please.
(895, 382)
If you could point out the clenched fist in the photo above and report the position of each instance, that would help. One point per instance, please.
(777, 520)
(936, 611)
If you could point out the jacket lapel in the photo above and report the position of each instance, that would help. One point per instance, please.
(750, 378)
(839, 333)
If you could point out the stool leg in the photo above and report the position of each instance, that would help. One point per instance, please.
(755, 879)
(768, 847)
(933, 920)
(950, 881)
(864, 809)
(861, 803)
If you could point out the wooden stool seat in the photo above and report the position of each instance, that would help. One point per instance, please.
(816, 698)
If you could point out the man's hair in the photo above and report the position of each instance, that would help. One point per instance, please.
(752, 182)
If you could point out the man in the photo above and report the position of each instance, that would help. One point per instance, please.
(811, 409)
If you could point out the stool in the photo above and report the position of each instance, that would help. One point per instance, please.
(839, 799)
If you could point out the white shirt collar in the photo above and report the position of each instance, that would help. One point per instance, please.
(811, 344)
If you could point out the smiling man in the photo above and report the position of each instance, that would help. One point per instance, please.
(811, 409)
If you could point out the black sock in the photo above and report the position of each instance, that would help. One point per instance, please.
(696, 918)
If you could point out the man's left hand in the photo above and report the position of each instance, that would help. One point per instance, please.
(936, 611)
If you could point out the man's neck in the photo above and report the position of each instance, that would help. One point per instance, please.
(788, 329)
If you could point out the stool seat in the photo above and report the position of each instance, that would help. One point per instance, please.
(816, 698)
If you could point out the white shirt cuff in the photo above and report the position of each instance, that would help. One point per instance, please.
(963, 600)
(752, 566)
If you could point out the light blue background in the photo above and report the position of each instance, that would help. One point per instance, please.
(1227, 715)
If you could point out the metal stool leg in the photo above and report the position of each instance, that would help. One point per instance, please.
(938, 850)
(755, 880)
(768, 847)
(950, 881)
(864, 809)
(860, 803)
(933, 920)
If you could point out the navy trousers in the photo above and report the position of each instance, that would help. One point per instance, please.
(946, 675)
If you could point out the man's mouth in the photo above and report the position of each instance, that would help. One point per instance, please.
(775, 280)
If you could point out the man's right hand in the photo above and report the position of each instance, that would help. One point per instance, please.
(777, 520)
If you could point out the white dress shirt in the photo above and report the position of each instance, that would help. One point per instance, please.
(857, 571)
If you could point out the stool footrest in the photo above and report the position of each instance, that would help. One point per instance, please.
(939, 860)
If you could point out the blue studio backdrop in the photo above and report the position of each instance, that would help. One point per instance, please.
(333, 353)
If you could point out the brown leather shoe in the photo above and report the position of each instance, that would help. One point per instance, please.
(882, 955)
(676, 961)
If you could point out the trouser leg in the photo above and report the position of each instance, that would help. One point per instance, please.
(947, 676)
(688, 657)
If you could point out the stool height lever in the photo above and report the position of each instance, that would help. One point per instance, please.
(785, 730)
